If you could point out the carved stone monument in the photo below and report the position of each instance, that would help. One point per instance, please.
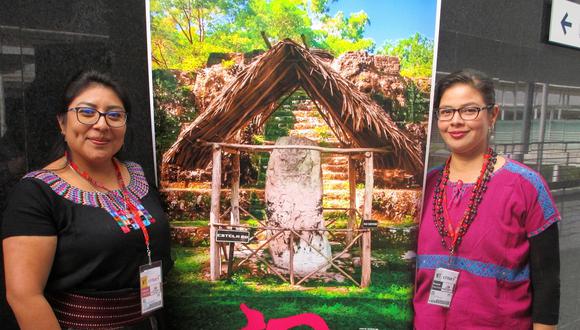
(294, 200)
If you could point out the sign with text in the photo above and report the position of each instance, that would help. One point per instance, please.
(369, 223)
(565, 23)
(232, 236)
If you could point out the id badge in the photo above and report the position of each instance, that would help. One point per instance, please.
(442, 287)
(151, 279)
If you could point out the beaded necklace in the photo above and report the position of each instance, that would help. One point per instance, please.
(440, 214)
(128, 209)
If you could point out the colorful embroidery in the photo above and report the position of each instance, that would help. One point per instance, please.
(113, 202)
(434, 170)
(474, 267)
(543, 196)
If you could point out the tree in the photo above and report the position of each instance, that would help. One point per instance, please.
(185, 32)
(415, 53)
(180, 29)
(340, 34)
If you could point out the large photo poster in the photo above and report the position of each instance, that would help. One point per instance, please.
(291, 138)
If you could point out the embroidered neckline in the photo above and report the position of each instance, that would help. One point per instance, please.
(465, 185)
(137, 189)
(137, 185)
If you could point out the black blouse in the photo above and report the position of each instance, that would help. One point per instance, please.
(95, 252)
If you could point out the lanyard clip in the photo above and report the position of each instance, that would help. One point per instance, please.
(149, 254)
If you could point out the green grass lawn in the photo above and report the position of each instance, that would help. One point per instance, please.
(195, 303)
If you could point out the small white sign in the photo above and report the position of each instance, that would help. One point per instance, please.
(565, 23)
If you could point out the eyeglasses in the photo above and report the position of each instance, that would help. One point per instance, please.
(465, 113)
(90, 116)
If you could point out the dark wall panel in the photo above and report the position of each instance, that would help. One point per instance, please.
(42, 44)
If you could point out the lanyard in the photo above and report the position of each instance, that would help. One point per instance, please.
(129, 206)
(453, 233)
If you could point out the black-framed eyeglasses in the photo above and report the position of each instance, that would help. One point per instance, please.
(466, 113)
(90, 116)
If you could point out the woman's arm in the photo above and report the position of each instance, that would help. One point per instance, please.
(27, 264)
(545, 276)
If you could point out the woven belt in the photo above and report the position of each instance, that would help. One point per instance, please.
(111, 311)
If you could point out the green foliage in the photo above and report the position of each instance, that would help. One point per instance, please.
(168, 95)
(415, 53)
(182, 31)
(417, 108)
(185, 32)
(340, 34)
(257, 207)
(323, 132)
(258, 139)
(190, 223)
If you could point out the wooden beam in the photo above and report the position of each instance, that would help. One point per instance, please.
(254, 252)
(367, 214)
(303, 37)
(251, 147)
(235, 206)
(266, 40)
(214, 218)
(352, 198)
(235, 202)
(282, 229)
(330, 262)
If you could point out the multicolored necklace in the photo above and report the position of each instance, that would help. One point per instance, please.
(440, 215)
(124, 212)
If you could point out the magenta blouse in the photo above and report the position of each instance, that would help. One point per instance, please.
(493, 289)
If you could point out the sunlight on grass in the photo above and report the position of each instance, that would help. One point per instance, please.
(193, 299)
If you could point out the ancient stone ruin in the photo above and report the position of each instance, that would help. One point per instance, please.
(294, 200)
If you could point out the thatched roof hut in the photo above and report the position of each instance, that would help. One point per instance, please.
(252, 97)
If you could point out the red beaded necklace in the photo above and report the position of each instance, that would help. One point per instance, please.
(92, 181)
(440, 215)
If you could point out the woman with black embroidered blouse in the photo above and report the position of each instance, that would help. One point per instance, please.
(85, 239)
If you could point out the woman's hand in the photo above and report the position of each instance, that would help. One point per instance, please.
(539, 326)
(27, 264)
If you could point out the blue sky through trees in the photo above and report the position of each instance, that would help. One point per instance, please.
(392, 19)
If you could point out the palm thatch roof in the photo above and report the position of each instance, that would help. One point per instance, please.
(252, 97)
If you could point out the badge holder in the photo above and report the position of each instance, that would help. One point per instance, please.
(151, 279)
(443, 286)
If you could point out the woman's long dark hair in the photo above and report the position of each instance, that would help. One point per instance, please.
(76, 85)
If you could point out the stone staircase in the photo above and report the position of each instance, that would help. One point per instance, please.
(309, 124)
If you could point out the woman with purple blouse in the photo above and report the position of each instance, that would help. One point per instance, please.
(488, 255)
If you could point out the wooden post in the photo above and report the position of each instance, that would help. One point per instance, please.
(291, 257)
(367, 214)
(266, 40)
(352, 199)
(214, 217)
(235, 202)
(235, 206)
